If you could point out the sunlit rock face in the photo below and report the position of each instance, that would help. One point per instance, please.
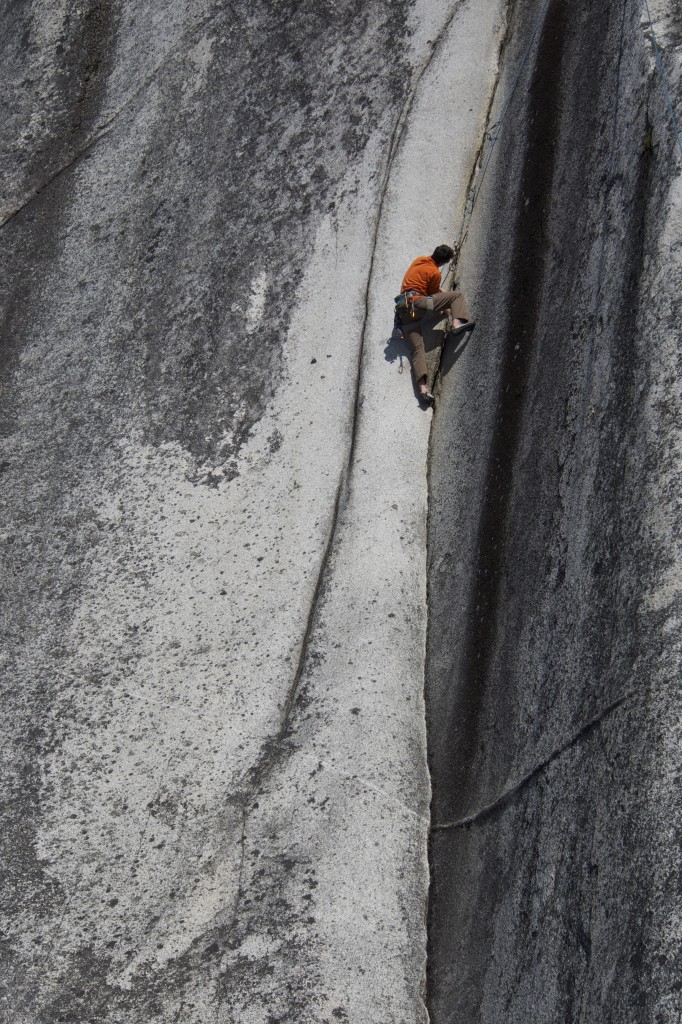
(553, 659)
(214, 781)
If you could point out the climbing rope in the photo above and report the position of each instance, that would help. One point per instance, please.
(493, 134)
(664, 77)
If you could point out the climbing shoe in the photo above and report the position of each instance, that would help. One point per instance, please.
(468, 325)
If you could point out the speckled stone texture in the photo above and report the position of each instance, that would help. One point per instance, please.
(213, 516)
(553, 673)
(167, 168)
(213, 527)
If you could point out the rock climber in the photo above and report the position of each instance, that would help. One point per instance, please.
(420, 294)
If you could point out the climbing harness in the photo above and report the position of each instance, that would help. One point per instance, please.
(405, 301)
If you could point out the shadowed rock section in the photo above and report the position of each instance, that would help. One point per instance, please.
(553, 650)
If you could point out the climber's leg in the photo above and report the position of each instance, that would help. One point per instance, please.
(414, 336)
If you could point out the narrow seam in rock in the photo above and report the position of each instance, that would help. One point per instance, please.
(501, 801)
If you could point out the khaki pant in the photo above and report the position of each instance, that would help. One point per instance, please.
(423, 305)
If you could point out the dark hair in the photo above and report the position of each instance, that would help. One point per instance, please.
(442, 254)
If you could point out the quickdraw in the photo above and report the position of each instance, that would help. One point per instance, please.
(406, 301)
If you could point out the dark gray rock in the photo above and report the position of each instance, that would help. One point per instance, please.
(553, 654)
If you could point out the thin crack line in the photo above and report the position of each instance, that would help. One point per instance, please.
(501, 801)
(478, 159)
(476, 182)
(260, 770)
(471, 191)
(394, 145)
(240, 873)
(104, 129)
(352, 777)
(257, 773)
(324, 561)
(238, 897)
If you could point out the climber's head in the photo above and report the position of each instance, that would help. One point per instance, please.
(442, 254)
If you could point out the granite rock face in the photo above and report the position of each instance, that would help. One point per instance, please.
(553, 697)
(214, 786)
(213, 759)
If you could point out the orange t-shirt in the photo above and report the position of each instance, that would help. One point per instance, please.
(422, 276)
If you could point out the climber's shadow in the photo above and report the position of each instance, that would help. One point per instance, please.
(433, 335)
(453, 351)
(397, 348)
